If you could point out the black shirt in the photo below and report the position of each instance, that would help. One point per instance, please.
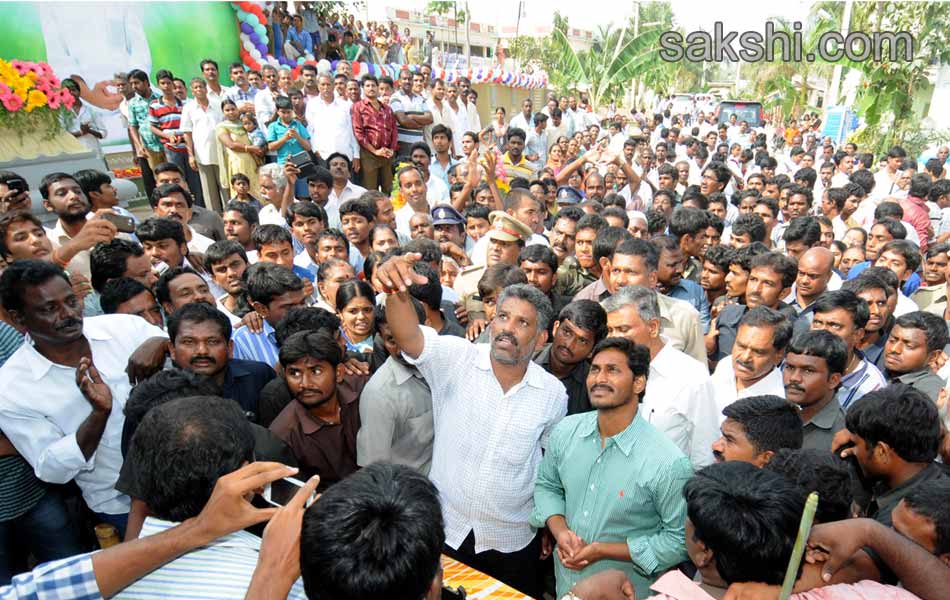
(243, 382)
(576, 383)
(885, 501)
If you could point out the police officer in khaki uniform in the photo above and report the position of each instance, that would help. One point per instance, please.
(506, 238)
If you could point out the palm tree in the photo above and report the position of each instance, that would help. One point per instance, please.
(607, 68)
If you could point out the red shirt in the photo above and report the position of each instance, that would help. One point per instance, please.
(917, 214)
(374, 127)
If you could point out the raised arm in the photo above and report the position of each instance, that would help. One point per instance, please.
(394, 277)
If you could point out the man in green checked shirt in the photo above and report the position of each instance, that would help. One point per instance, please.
(610, 486)
(146, 144)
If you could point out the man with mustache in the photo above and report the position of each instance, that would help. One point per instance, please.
(770, 279)
(74, 233)
(199, 337)
(172, 200)
(63, 392)
(579, 327)
(594, 461)
(321, 422)
(679, 391)
(753, 366)
(814, 365)
(493, 410)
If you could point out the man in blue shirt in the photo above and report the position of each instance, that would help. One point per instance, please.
(670, 280)
(273, 290)
(287, 136)
(199, 338)
(299, 43)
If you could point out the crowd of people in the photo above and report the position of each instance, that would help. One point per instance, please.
(336, 36)
(591, 360)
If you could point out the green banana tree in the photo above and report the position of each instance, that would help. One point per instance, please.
(615, 59)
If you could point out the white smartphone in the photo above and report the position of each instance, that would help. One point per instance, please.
(159, 268)
(282, 491)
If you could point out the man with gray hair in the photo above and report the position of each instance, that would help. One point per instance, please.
(276, 195)
(678, 399)
(492, 410)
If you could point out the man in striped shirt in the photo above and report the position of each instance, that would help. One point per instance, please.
(411, 110)
(164, 116)
(183, 447)
(273, 290)
(845, 314)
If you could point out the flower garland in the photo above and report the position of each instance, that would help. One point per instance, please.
(33, 99)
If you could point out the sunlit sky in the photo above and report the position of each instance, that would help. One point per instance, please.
(736, 15)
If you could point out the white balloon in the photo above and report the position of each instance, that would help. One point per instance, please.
(248, 45)
(256, 54)
(323, 66)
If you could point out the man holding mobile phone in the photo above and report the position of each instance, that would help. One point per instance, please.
(74, 233)
(14, 192)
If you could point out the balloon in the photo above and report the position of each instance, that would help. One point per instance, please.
(262, 48)
(323, 66)
(356, 67)
(246, 28)
(256, 54)
(300, 60)
(260, 29)
(255, 39)
(247, 45)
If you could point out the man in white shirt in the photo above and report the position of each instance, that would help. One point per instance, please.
(493, 409)
(199, 117)
(437, 192)
(536, 142)
(474, 120)
(441, 114)
(264, 104)
(843, 165)
(330, 124)
(342, 189)
(412, 187)
(679, 396)
(172, 200)
(885, 180)
(525, 119)
(752, 369)
(459, 117)
(276, 194)
(62, 393)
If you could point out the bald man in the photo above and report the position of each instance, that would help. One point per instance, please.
(815, 270)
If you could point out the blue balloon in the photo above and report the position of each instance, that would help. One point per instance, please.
(254, 38)
(260, 29)
(262, 48)
(246, 28)
(250, 19)
(300, 60)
